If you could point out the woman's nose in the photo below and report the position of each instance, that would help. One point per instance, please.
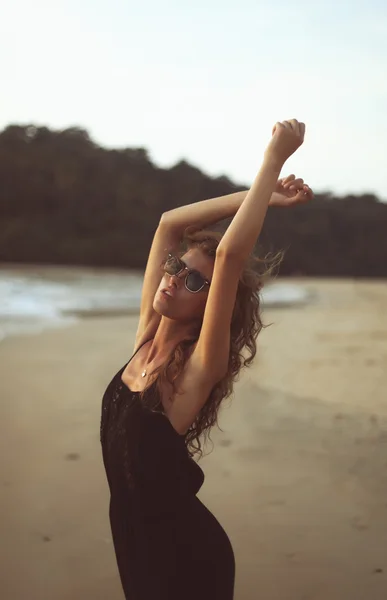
(173, 280)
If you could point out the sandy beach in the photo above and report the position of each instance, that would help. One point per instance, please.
(297, 477)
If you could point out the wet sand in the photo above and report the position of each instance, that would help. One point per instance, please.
(297, 477)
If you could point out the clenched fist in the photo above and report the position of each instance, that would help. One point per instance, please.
(287, 137)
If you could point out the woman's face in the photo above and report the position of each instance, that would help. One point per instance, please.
(184, 305)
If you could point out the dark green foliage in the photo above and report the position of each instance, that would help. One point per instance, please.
(65, 200)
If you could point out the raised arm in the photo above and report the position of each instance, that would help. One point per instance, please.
(242, 233)
(288, 192)
(239, 205)
(213, 345)
(205, 212)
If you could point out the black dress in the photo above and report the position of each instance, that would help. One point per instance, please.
(168, 545)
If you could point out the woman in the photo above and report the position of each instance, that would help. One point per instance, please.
(199, 309)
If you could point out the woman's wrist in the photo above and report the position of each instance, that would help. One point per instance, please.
(273, 162)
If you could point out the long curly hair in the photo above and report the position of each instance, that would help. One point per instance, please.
(246, 324)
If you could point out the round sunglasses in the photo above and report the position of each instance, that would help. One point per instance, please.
(194, 281)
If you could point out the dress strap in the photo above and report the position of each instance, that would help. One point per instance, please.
(139, 348)
(133, 355)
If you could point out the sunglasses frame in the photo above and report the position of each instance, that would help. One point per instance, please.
(189, 271)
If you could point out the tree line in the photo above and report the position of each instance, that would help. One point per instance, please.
(66, 200)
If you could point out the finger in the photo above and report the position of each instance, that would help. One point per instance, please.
(295, 125)
(286, 124)
(278, 125)
(288, 180)
(300, 197)
(308, 192)
(295, 185)
(302, 131)
(304, 195)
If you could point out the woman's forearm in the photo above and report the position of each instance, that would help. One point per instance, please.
(205, 212)
(243, 231)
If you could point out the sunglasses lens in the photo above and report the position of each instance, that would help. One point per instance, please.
(172, 265)
(194, 282)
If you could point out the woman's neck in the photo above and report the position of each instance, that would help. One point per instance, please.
(168, 335)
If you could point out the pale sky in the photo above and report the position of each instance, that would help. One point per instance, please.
(205, 81)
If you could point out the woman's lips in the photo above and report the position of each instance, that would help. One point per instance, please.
(167, 293)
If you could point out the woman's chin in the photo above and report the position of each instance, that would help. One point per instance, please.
(160, 306)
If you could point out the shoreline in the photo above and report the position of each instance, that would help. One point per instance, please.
(40, 299)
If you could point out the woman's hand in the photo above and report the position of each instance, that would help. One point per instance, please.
(291, 191)
(287, 137)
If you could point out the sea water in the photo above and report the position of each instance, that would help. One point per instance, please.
(36, 297)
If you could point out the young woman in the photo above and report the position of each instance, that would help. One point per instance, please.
(199, 309)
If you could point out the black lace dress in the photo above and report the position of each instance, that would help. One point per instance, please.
(168, 545)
